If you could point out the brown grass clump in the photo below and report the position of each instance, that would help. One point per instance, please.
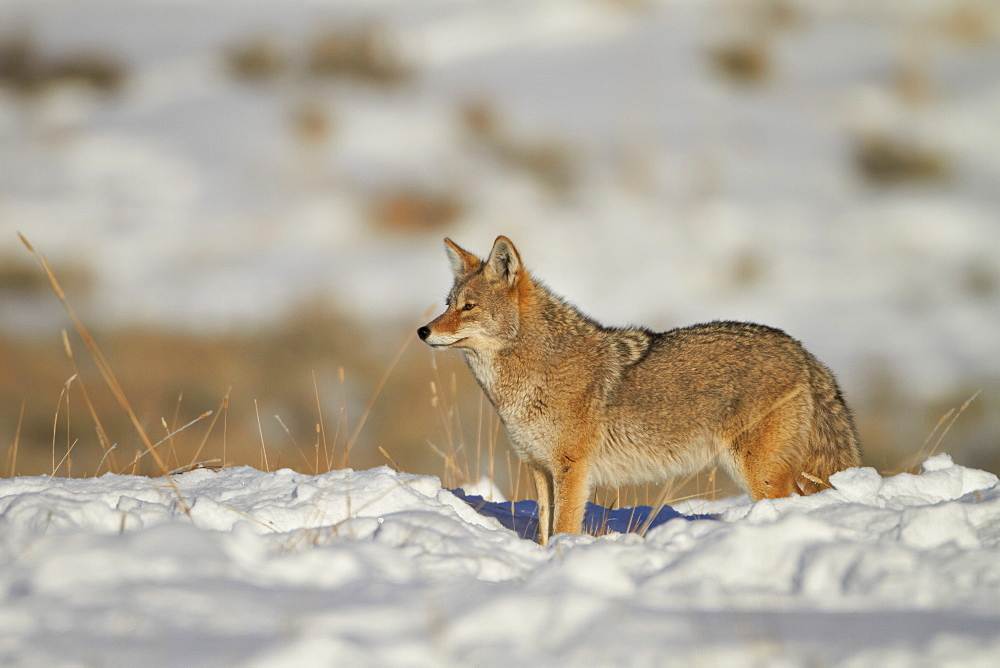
(362, 53)
(256, 59)
(743, 52)
(18, 61)
(18, 277)
(313, 122)
(24, 69)
(972, 23)
(743, 61)
(885, 161)
(412, 209)
(551, 161)
(95, 69)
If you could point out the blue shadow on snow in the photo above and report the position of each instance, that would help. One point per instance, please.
(522, 516)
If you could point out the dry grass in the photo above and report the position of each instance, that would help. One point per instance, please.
(308, 395)
(933, 441)
(108, 376)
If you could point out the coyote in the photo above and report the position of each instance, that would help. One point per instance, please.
(585, 404)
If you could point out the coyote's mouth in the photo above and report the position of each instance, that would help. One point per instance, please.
(448, 345)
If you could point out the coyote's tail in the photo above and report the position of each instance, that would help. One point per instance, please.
(834, 444)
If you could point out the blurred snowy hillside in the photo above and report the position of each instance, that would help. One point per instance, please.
(216, 169)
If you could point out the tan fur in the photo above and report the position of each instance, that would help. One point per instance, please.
(586, 404)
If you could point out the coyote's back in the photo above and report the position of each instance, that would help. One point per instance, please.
(586, 404)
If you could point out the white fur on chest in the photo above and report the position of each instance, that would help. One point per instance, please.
(531, 428)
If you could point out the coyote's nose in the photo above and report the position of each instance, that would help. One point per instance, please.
(424, 332)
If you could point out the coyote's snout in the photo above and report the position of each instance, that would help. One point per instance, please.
(585, 404)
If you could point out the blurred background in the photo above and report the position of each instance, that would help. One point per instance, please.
(245, 203)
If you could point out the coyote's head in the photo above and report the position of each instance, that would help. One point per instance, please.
(482, 313)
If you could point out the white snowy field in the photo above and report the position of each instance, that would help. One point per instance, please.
(382, 568)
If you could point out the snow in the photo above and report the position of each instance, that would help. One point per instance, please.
(379, 567)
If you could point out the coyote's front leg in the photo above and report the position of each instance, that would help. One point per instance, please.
(571, 482)
(543, 487)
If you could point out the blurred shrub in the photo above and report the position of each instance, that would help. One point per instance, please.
(980, 279)
(18, 61)
(416, 210)
(743, 53)
(24, 278)
(550, 161)
(363, 53)
(312, 121)
(93, 68)
(24, 69)
(743, 61)
(972, 22)
(884, 160)
(256, 59)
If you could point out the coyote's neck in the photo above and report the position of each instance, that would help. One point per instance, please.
(550, 333)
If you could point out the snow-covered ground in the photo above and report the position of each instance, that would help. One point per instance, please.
(382, 568)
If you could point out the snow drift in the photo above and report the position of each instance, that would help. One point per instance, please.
(383, 567)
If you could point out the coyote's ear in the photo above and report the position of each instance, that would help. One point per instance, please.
(462, 261)
(504, 262)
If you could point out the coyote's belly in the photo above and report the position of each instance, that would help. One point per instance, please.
(631, 457)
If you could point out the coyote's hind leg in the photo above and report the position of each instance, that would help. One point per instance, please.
(770, 454)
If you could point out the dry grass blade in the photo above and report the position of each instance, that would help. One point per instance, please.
(102, 435)
(12, 453)
(55, 420)
(813, 479)
(665, 494)
(104, 368)
(375, 395)
(954, 419)
(295, 443)
(942, 428)
(210, 464)
(387, 456)
(263, 448)
(250, 517)
(168, 437)
(222, 406)
(320, 426)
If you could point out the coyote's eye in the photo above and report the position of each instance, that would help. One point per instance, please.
(468, 306)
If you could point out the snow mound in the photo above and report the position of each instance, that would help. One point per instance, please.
(379, 567)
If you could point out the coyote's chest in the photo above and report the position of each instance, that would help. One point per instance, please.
(527, 407)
